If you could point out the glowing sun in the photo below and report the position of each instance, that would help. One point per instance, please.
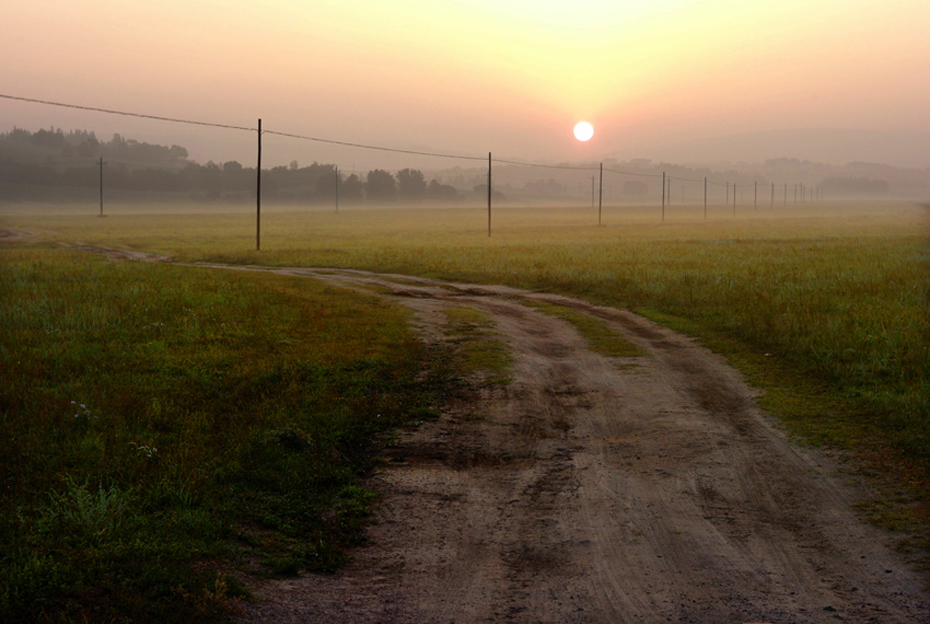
(584, 131)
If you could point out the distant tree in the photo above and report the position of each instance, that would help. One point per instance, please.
(294, 165)
(211, 180)
(482, 191)
(326, 183)
(89, 147)
(381, 186)
(352, 188)
(49, 138)
(442, 192)
(412, 184)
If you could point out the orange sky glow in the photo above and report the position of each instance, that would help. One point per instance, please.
(472, 76)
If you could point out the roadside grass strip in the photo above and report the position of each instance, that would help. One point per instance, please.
(472, 331)
(597, 335)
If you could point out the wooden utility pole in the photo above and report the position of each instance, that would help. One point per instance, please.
(258, 192)
(101, 185)
(489, 194)
(600, 195)
(663, 197)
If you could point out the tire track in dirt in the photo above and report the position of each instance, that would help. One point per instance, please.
(654, 491)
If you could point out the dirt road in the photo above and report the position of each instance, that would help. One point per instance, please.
(595, 490)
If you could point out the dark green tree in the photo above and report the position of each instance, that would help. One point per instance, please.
(412, 184)
(381, 186)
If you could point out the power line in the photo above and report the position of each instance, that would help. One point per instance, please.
(629, 173)
(125, 113)
(372, 147)
(566, 167)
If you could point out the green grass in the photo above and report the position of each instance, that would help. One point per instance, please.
(480, 354)
(165, 426)
(597, 335)
(824, 307)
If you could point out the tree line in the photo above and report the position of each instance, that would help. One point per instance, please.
(53, 163)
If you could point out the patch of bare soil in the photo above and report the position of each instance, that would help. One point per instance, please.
(117, 254)
(9, 236)
(652, 491)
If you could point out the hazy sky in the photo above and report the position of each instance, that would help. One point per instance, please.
(470, 76)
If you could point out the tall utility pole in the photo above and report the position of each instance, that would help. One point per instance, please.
(663, 197)
(258, 192)
(101, 185)
(600, 195)
(489, 194)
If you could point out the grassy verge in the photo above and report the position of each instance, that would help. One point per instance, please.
(597, 335)
(480, 353)
(166, 428)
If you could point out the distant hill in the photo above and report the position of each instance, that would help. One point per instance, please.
(835, 146)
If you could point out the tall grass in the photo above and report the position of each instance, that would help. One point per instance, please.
(161, 424)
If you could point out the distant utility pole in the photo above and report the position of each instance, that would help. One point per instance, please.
(705, 197)
(258, 192)
(101, 185)
(663, 197)
(336, 171)
(600, 195)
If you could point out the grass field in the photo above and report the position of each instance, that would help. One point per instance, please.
(826, 309)
(166, 427)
